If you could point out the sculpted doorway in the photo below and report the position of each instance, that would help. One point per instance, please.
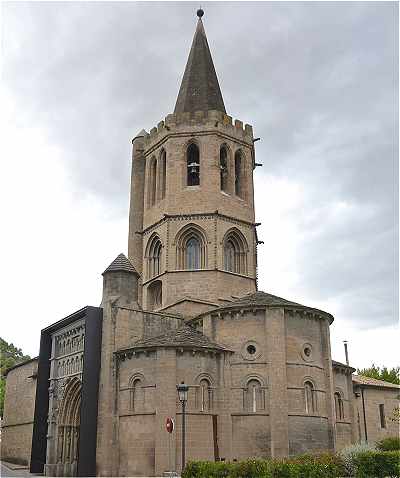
(68, 429)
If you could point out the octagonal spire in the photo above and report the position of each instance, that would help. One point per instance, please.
(200, 89)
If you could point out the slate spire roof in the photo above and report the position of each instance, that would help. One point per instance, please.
(200, 89)
(121, 263)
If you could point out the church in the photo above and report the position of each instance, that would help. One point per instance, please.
(184, 306)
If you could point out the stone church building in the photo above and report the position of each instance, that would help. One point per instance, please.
(184, 306)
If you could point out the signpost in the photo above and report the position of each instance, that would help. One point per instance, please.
(169, 425)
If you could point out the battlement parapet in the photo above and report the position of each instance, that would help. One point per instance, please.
(197, 121)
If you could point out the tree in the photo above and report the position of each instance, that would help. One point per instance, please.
(381, 373)
(9, 356)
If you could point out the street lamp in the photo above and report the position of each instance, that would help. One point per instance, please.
(183, 396)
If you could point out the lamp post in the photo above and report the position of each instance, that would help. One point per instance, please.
(183, 396)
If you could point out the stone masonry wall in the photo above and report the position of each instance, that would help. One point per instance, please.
(19, 408)
(373, 397)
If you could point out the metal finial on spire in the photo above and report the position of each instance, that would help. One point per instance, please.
(200, 12)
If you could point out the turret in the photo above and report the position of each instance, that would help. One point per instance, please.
(135, 240)
(120, 280)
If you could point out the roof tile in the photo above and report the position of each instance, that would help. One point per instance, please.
(121, 263)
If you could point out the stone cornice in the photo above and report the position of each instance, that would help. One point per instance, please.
(204, 215)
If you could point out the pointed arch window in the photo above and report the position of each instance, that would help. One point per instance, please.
(154, 295)
(223, 168)
(255, 396)
(339, 408)
(191, 248)
(152, 182)
(235, 252)
(192, 258)
(238, 174)
(193, 165)
(163, 173)
(309, 398)
(154, 255)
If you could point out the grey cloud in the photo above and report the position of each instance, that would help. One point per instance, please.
(318, 81)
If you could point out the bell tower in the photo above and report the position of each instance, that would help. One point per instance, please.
(191, 230)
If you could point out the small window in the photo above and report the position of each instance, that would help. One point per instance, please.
(339, 409)
(163, 173)
(309, 398)
(223, 168)
(154, 251)
(193, 165)
(255, 396)
(154, 293)
(193, 253)
(238, 174)
(235, 253)
(136, 395)
(152, 183)
(382, 415)
(205, 395)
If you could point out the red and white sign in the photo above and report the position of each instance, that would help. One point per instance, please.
(170, 425)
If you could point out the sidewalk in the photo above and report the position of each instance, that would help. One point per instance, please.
(11, 469)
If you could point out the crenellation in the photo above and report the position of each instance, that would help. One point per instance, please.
(186, 123)
(238, 124)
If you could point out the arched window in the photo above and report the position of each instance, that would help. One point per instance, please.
(309, 398)
(205, 395)
(255, 397)
(153, 256)
(192, 259)
(136, 395)
(339, 408)
(223, 168)
(193, 165)
(238, 174)
(191, 248)
(152, 182)
(162, 181)
(154, 295)
(235, 252)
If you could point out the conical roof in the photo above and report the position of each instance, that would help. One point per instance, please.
(121, 263)
(184, 336)
(263, 299)
(200, 89)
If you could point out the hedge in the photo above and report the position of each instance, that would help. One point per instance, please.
(375, 464)
(389, 444)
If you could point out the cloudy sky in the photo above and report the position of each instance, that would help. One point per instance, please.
(319, 82)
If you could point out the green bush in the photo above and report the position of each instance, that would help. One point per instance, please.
(208, 469)
(377, 464)
(324, 465)
(304, 466)
(364, 464)
(253, 468)
(349, 453)
(389, 444)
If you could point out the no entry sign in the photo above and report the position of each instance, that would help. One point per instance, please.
(169, 425)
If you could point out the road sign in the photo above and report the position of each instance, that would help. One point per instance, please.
(170, 425)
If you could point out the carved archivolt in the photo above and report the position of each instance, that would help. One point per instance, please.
(68, 423)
